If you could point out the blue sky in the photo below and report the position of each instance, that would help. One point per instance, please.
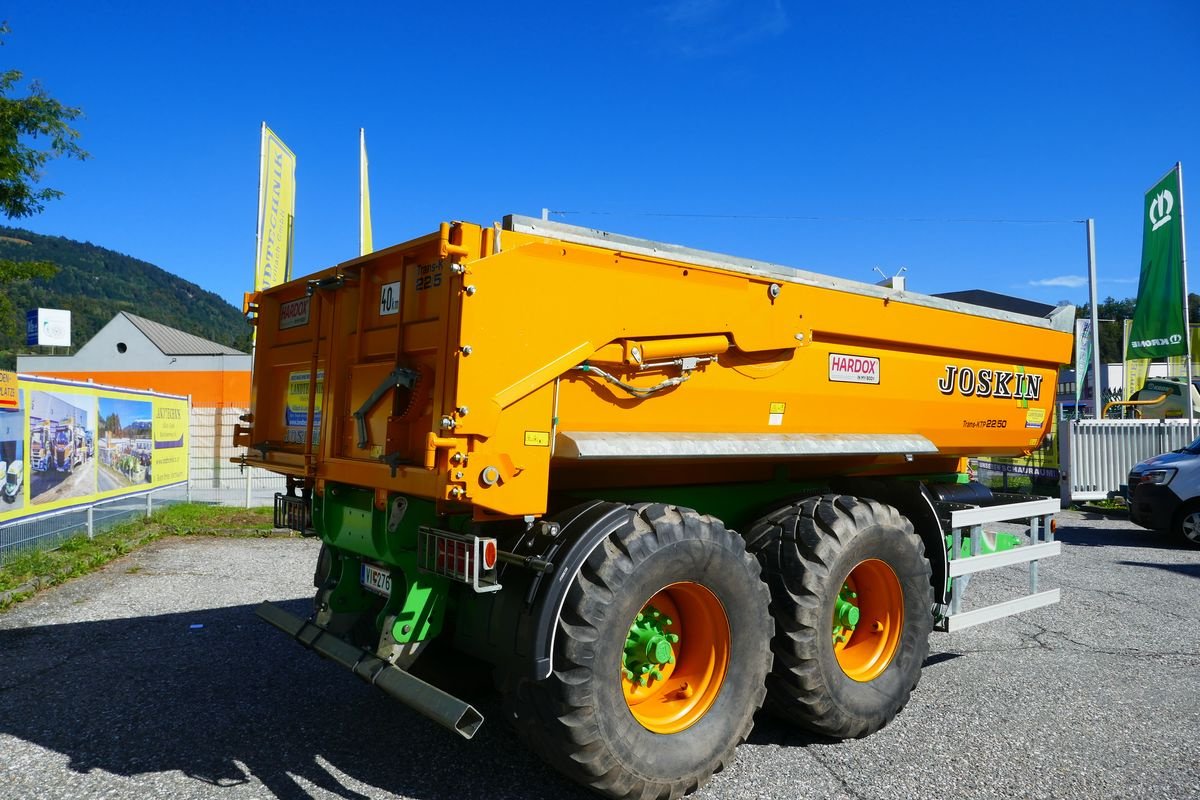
(833, 137)
(128, 410)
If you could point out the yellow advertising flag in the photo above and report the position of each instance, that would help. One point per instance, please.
(1136, 369)
(276, 211)
(1177, 365)
(364, 197)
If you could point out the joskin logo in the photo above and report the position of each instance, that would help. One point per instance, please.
(998, 383)
(1160, 210)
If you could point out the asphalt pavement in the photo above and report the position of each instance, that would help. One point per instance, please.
(154, 678)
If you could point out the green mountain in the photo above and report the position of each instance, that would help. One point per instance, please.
(94, 283)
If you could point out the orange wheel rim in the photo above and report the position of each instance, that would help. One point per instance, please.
(868, 617)
(675, 657)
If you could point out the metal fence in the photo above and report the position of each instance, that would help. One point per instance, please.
(1099, 452)
(47, 532)
(213, 479)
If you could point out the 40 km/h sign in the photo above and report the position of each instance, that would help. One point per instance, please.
(389, 299)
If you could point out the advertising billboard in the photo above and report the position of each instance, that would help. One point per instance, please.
(49, 327)
(66, 444)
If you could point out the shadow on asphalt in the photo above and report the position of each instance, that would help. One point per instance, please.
(771, 730)
(1115, 537)
(939, 658)
(234, 699)
(1191, 570)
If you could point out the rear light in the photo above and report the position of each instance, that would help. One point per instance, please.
(465, 559)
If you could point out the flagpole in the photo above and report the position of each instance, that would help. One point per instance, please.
(1187, 320)
(258, 233)
(1091, 252)
(262, 195)
(362, 225)
(1126, 391)
(365, 241)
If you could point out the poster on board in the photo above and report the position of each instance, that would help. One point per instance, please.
(67, 444)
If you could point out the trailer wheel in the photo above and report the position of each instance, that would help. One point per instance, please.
(660, 656)
(851, 596)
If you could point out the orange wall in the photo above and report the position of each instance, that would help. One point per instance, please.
(207, 387)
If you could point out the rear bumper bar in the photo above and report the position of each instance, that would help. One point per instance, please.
(444, 709)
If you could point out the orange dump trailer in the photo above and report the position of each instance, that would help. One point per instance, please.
(644, 485)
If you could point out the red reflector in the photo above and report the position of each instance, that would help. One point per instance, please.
(489, 554)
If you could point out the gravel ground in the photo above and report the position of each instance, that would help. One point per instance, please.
(153, 678)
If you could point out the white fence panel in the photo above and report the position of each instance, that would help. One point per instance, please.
(1100, 452)
(213, 476)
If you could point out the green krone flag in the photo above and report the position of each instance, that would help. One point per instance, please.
(1159, 323)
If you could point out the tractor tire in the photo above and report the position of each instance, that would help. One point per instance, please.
(851, 597)
(660, 655)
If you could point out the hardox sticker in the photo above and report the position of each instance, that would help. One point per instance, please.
(293, 314)
(853, 369)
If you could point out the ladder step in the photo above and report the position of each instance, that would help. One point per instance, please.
(1018, 555)
(965, 619)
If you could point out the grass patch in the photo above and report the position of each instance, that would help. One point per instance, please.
(27, 573)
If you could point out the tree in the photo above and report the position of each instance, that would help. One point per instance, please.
(34, 129)
(1111, 312)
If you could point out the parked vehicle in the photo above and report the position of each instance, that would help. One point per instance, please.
(641, 485)
(14, 476)
(41, 448)
(1164, 493)
(64, 449)
(1159, 398)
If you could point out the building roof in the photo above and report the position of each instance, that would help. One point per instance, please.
(1001, 302)
(174, 342)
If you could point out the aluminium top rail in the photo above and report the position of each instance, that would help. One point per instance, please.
(1061, 319)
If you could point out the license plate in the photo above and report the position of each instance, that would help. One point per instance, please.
(376, 579)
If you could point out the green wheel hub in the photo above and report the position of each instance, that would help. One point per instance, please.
(845, 614)
(648, 646)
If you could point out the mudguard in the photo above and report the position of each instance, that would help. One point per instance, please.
(581, 530)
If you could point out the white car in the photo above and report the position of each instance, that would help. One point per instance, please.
(1164, 493)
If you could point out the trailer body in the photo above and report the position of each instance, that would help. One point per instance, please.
(486, 424)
